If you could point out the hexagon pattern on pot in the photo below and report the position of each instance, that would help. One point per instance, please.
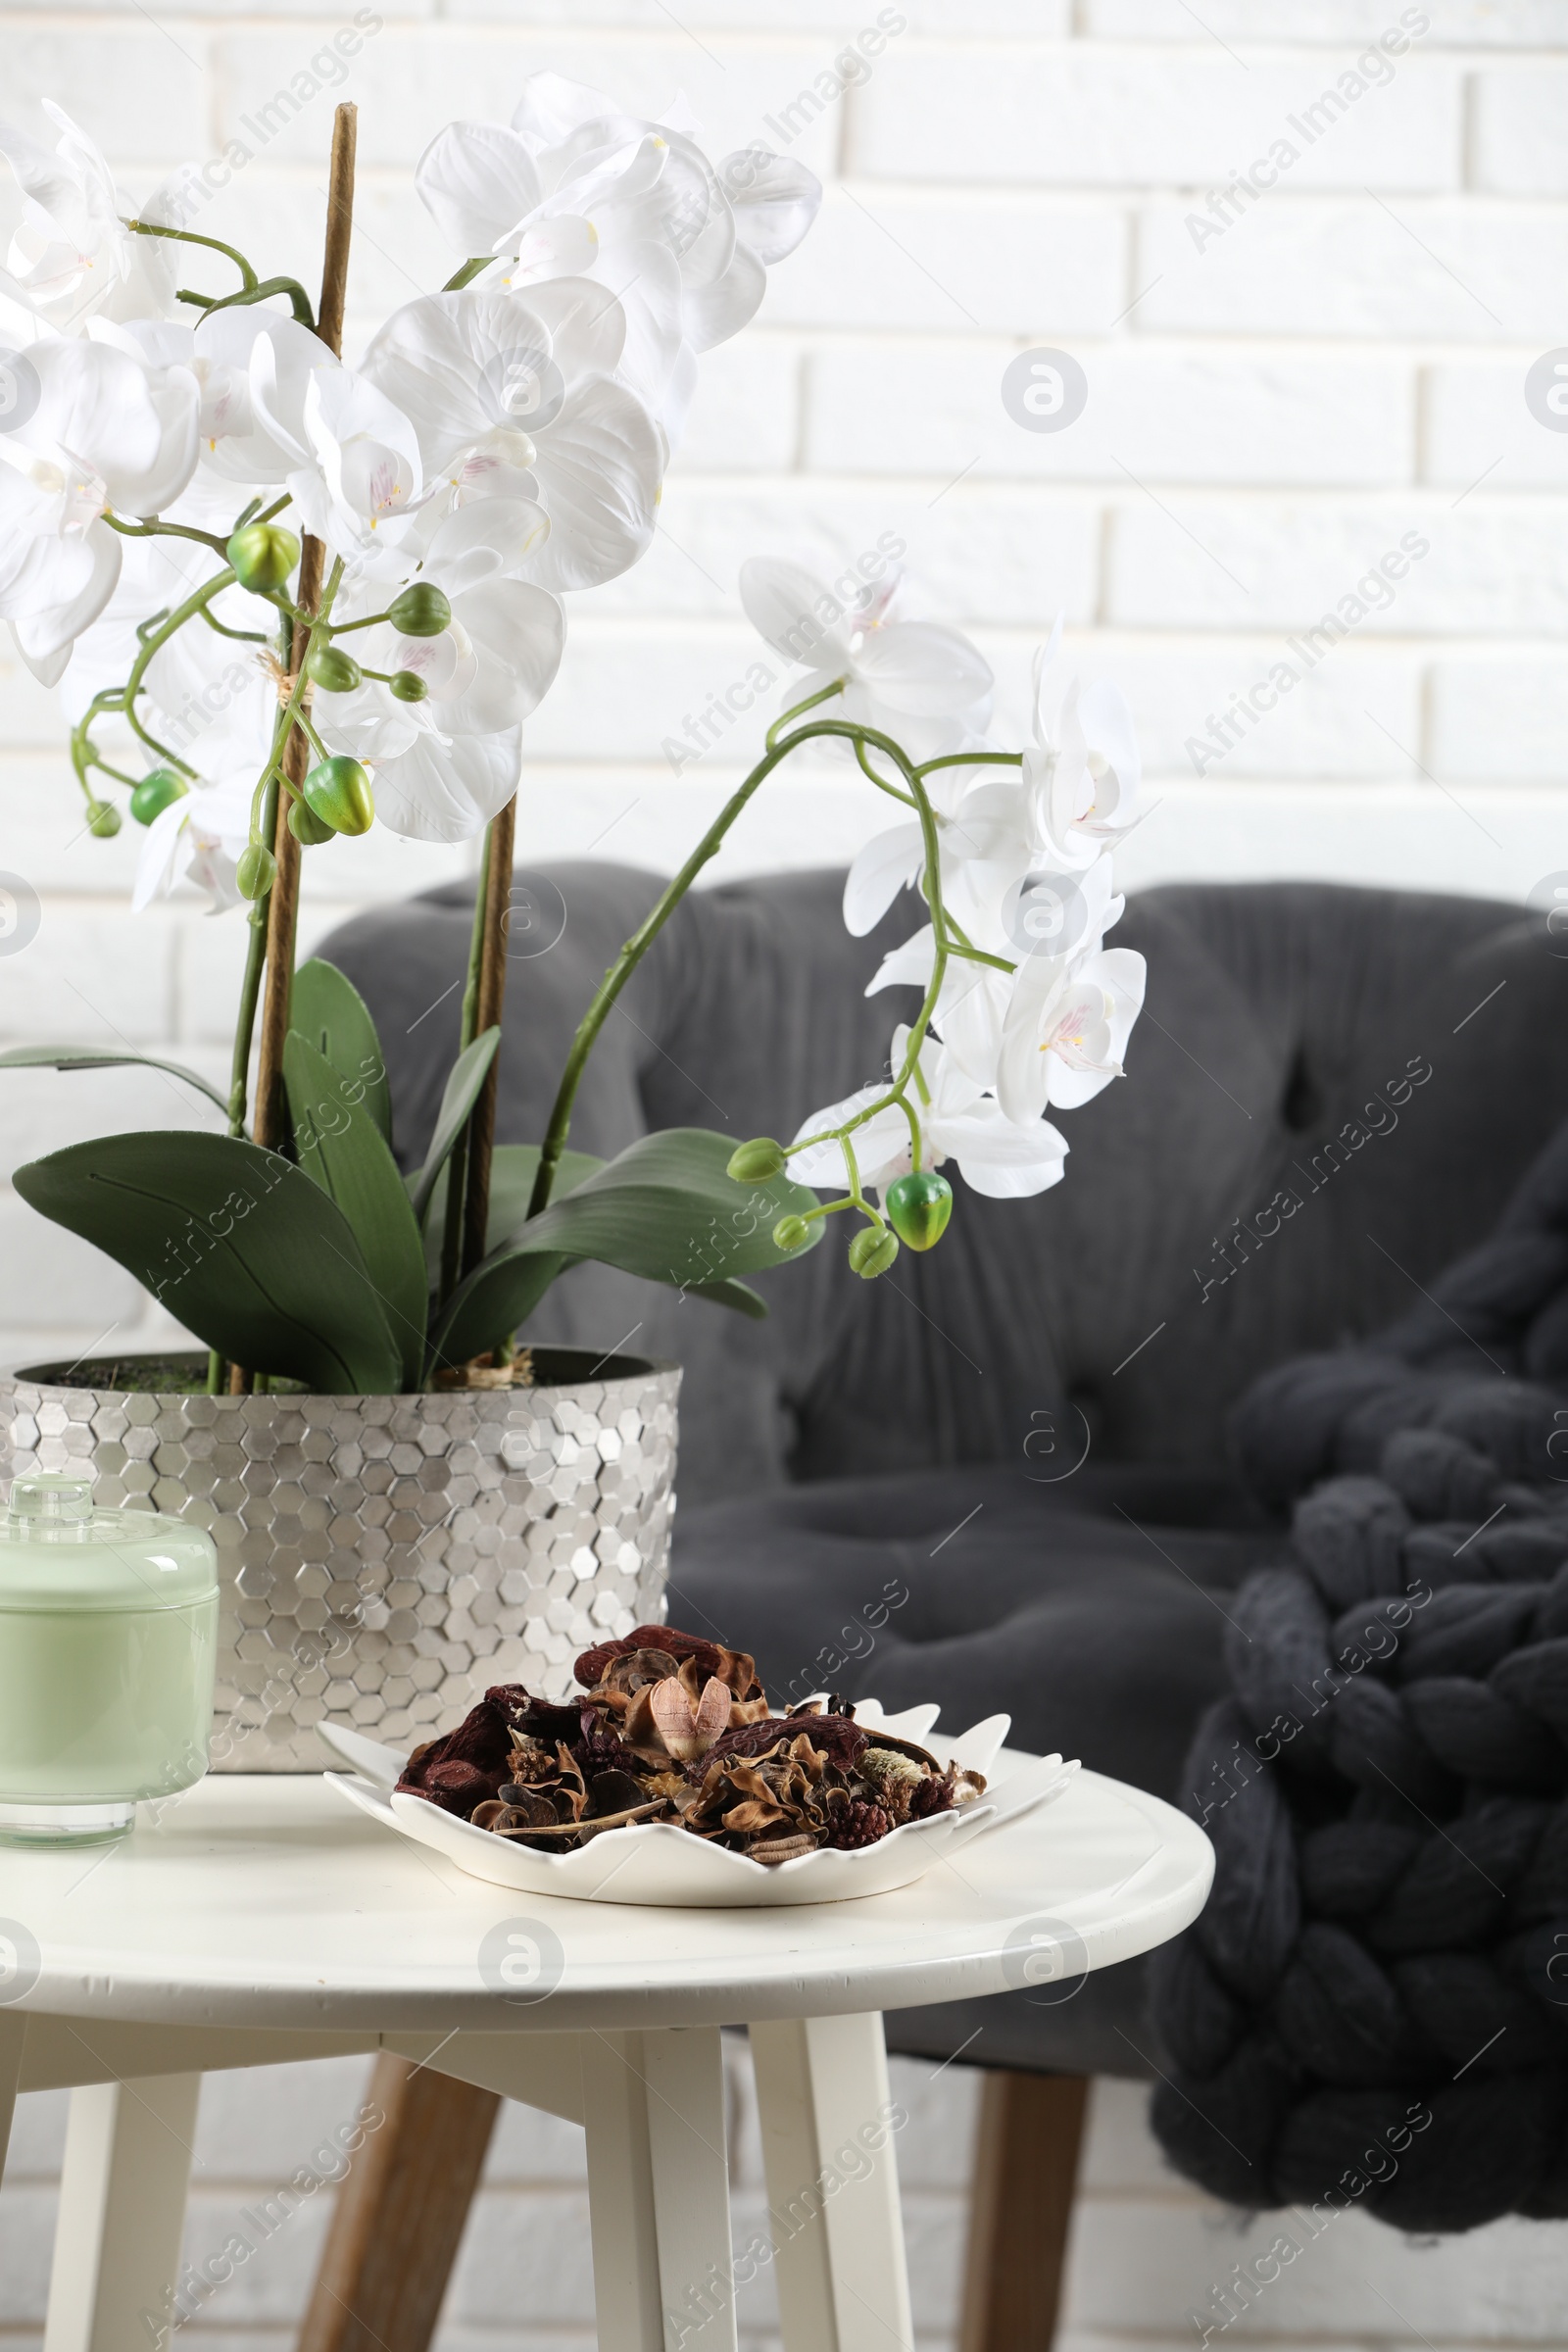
(384, 1559)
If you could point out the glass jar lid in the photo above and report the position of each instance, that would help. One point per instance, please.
(58, 1553)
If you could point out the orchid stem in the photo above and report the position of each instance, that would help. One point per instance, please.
(299, 300)
(881, 782)
(896, 1092)
(189, 236)
(825, 695)
(251, 984)
(167, 530)
(641, 939)
(971, 760)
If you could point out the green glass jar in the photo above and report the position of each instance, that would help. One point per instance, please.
(108, 1648)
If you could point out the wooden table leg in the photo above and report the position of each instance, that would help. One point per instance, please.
(829, 2124)
(1025, 2177)
(122, 2215)
(659, 2191)
(399, 2218)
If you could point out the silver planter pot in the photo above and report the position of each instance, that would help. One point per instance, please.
(384, 1559)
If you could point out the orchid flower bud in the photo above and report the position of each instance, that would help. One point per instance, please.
(872, 1251)
(154, 794)
(419, 611)
(307, 827)
(333, 669)
(757, 1162)
(102, 819)
(262, 556)
(253, 875)
(791, 1232)
(919, 1207)
(338, 792)
(408, 686)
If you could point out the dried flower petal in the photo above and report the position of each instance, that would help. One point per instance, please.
(733, 1667)
(751, 1815)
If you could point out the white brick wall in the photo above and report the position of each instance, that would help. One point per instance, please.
(1270, 409)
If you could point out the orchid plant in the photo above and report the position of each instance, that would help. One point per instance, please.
(286, 597)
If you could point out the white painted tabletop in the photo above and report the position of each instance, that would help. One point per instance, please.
(258, 1902)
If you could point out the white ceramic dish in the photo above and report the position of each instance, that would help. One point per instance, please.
(654, 1862)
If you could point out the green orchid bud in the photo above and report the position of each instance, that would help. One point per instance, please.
(307, 827)
(872, 1251)
(338, 792)
(419, 611)
(408, 686)
(791, 1232)
(102, 819)
(253, 876)
(919, 1207)
(154, 794)
(263, 555)
(757, 1162)
(333, 669)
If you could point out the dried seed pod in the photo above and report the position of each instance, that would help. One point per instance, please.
(773, 1850)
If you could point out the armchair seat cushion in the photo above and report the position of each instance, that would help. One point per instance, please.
(1090, 1608)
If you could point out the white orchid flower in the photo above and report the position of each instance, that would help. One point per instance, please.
(983, 821)
(576, 187)
(71, 257)
(1037, 910)
(1066, 1031)
(70, 253)
(199, 839)
(513, 396)
(918, 681)
(362, 494)
(957, 1120)
(1047, 924)
(448, 791)
(1083, 771)
(971, 1003)
(96, 430)
(443, 766)
(253, 370)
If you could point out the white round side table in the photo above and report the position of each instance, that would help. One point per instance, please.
(257, 1920)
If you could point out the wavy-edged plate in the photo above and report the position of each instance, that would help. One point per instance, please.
(657, 1862)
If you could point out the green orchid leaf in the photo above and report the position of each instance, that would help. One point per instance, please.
(665, 1209)
(512, 1168)
(463, 1081)
(330, 1010)
(93, 1057)
(235, 1241)
(738, 1295)
(342, 1149)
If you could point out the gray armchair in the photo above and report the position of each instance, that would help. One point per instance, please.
(1331, 1093)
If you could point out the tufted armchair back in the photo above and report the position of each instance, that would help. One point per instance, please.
(1331, 1093)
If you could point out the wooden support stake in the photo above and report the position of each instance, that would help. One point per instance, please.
(282, 912)
(489, 1000)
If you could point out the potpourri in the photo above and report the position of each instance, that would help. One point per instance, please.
(671, 1728)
